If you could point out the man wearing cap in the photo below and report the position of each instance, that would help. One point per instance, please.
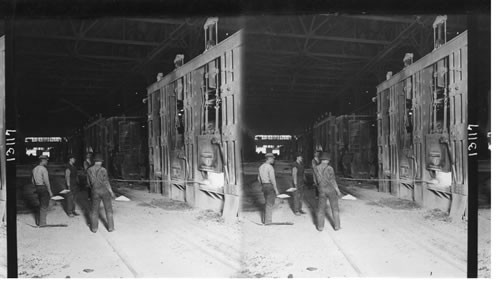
(101, 190)
(268, 181)
(71, 177)
(315, 162)
(328, 190)
(41, 182)
(298, 180)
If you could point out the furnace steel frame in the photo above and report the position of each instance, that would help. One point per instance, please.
(350, 139)
(120, 141)
(194, 121)
(422, 129)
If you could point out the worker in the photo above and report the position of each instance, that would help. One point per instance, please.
(40, 179)
(71, 177)
(101, 190)
(298, 181)
(86, 165)
(315, 162)
(328, 190)
(267, 180)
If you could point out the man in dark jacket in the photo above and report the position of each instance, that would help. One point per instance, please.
(101, 190)
(298, 181)
(71, 180)
(315, 162)
(86, 165)
(328, 190)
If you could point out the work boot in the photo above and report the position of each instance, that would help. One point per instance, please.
(75, 213)
(71, 215)
(319, 229)
(302, 212)
(297, 213)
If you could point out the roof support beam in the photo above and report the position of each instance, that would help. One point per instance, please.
(287, 83)
(75, 69)
(321, 37)
(171, 39)
(157, 20)
(298, 53)
(391, 19)
(282, 92)
(73, 86)
(113, 58)
(398, 41)
(304, 78)
(84, 32)
(380, 18)
(262, 67)
(91, 39)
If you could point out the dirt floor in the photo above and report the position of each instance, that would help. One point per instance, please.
(380, 236)
(154, 237)
(484, 243)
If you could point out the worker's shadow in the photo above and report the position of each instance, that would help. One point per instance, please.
(84, 203)
(30, 201)
(253, 197)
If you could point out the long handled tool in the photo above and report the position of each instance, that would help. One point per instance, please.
(272, 223)
(48, 225)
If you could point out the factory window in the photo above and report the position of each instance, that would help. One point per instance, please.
(43, 139)
(264, 148)
(34, 151)
(273, 137)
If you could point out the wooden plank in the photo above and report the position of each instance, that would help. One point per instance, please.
(231, 207)
(458, 206)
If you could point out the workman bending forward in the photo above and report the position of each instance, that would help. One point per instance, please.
(101, 190)
(328, 189)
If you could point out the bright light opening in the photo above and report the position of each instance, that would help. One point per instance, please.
(43, 139)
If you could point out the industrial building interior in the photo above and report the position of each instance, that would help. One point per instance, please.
(129, 89)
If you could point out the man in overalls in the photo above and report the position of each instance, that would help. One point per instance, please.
(40, 179)
(298, 181)
(268, 181)
(328, 190)
(101, 190)
(71, 177)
